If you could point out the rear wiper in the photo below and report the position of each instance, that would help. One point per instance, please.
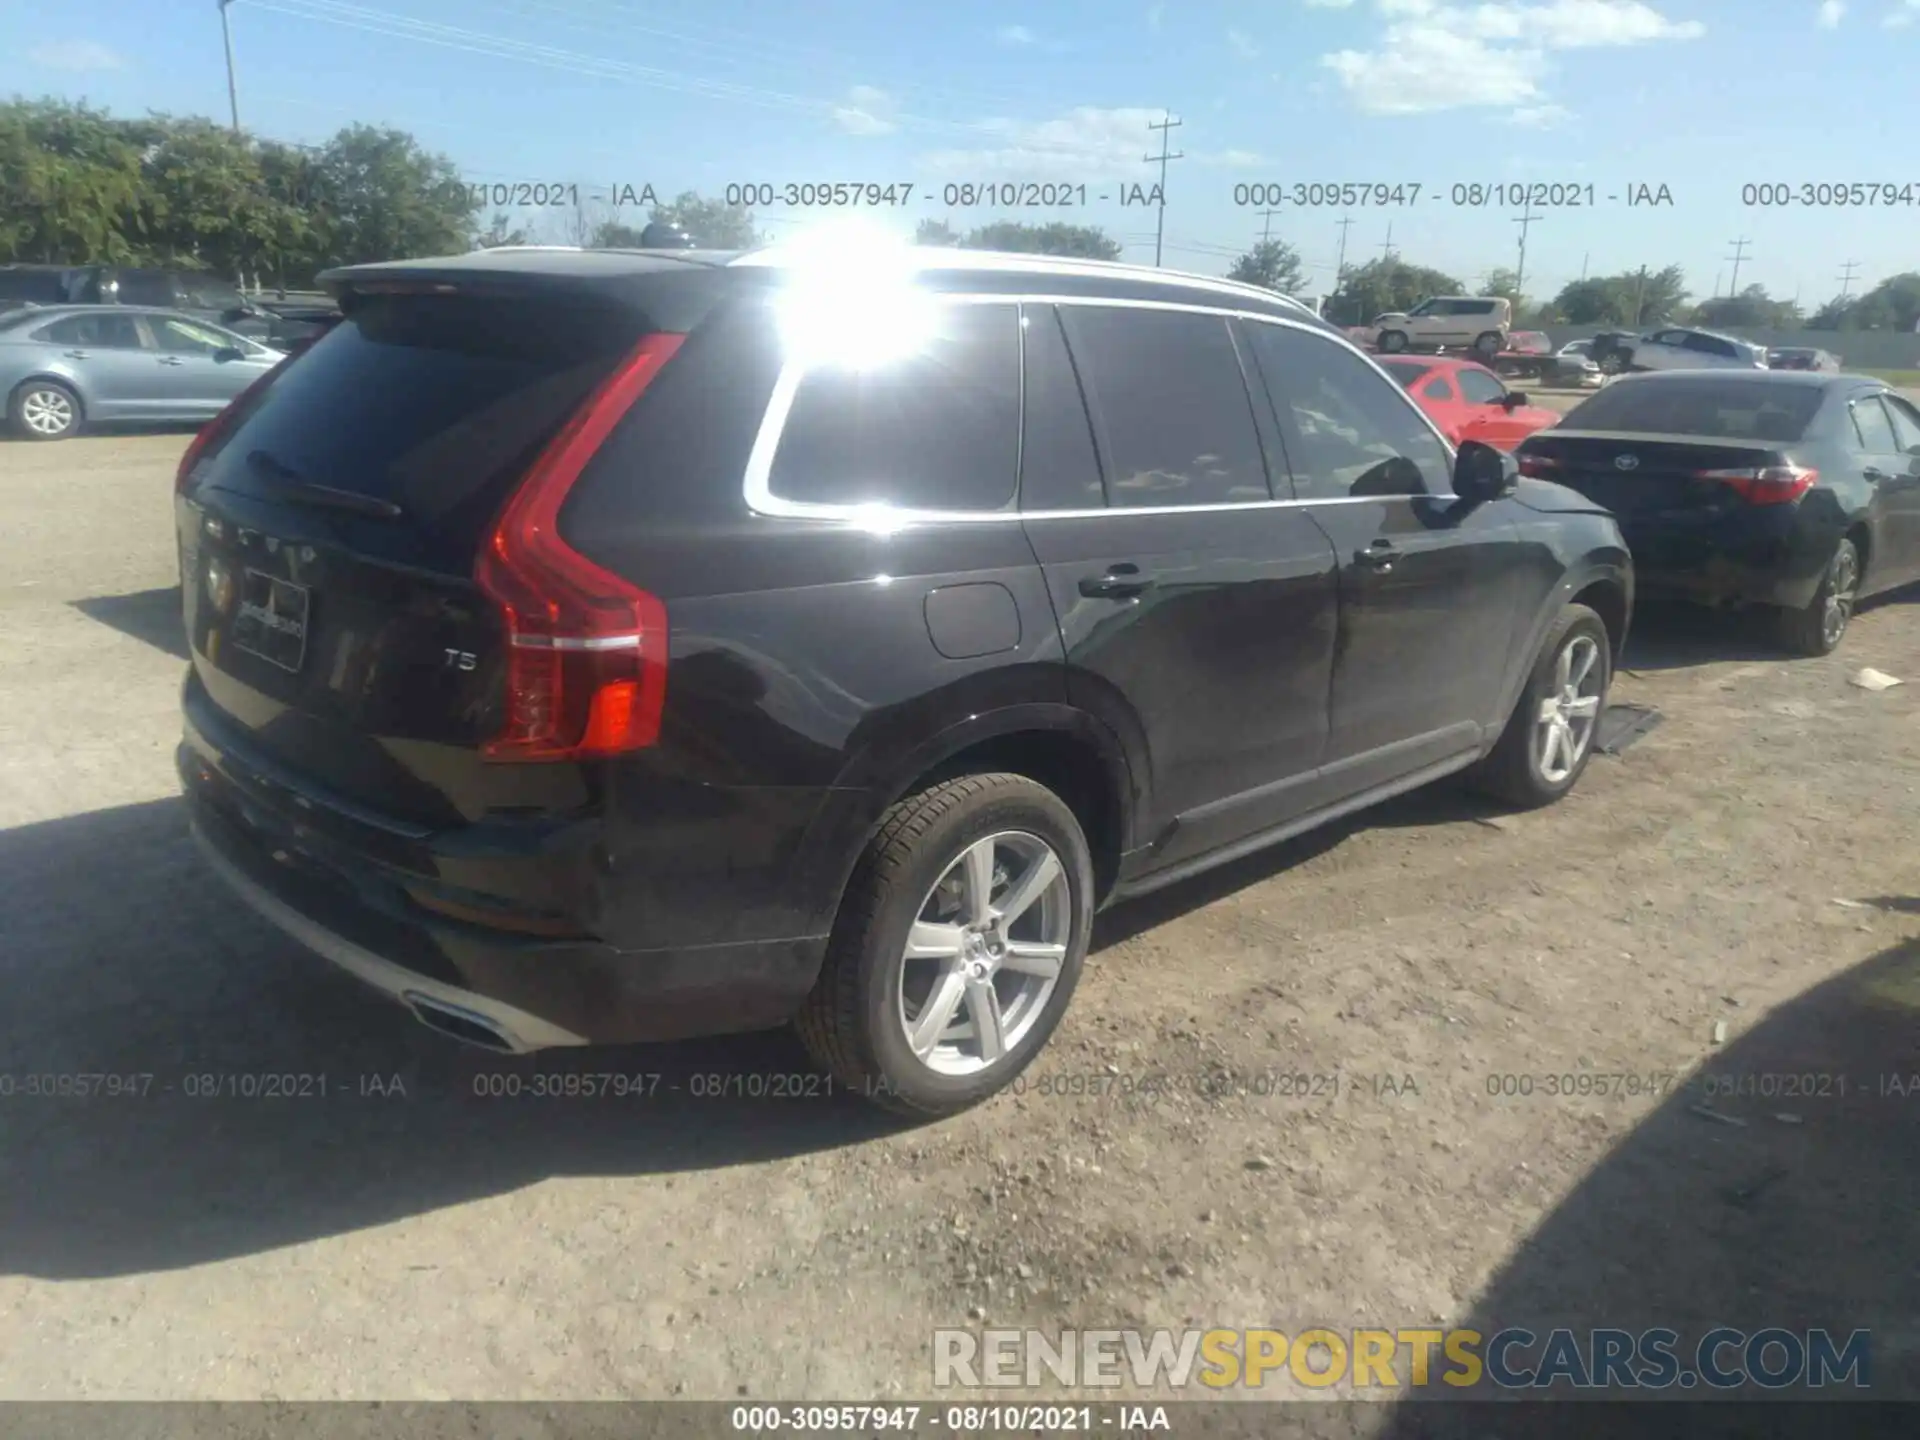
(302, 491)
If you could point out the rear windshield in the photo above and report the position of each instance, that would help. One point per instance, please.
(1406, 374)
(436, 403)
(1719, 409)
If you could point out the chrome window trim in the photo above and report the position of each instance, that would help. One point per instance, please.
(761, 499)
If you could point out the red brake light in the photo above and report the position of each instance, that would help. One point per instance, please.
(1764, 484)
(219, 426)
(1540, 467)
(586, 671)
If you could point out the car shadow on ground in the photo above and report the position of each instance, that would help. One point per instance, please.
(150, 616)
(1775, 1188)
(125, 962)
(109, 430)
(1671, 636)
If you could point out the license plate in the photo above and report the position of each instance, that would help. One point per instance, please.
(272, 619)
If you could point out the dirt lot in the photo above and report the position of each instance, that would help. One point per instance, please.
(1751, 864)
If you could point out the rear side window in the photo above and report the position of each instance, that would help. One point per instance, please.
(1477, 387)
(1717, 409)
(1906, 423)
(183, 337)
(1171, 405)
(937, 431)
(1872, 428)
(103, 332)
(434, 402)
(1437, 389)
(1059, 468)
(1348, 432)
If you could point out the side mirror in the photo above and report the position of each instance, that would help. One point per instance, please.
(1515, 399)
(228, 353)
(1482, 473)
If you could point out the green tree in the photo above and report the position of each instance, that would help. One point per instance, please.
(1388, 283)
(612, 235)
(1632, 298)
(1085, 242)
(379, 196)
(500, 231)
(1272, 265)
(711, 224)
(935, 232)
(72, 185)
(1893, 304)
(1751, 309)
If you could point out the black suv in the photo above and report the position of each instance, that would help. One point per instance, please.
(206, 297)
(599, 646)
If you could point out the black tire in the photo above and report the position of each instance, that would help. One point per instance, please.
(1392, 342)
(51, 391)
(1821, 625)
(1512, 770)
(851, 1022)
(1486, 346)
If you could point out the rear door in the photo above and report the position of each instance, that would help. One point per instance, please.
(191, 377)
(329, 539)
(1430, 586)
(1889, 432)
(1195, 611)
(109, 355)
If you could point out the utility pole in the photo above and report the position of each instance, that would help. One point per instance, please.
(1739, 254)
(1166, 127)
(1386, 250)
(1639, 296)
(1525, 221)
(1266, 229)
(1583, 264)
(1846, 277)
(233, 93)
(1340, 261)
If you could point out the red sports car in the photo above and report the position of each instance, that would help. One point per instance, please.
(1467, 400)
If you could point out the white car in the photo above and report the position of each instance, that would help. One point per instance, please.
(1480, 323)
(1675, 349)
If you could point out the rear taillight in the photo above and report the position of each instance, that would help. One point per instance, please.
(586, 668)
(220, 425)
(1764, 484)
(1540, 467)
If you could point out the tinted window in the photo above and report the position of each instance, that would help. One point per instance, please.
(105, 332)
(1474, 307)
(939, 431)
(1477, 387)
(1347, 431)
(1407, 372)
(435, 402)
(144, 287)
(1059, 469)
(1437, 389)
(1871, 426)
(1906, 422)
(1722, 409)
(1711, 345)
(206, 293)
(1171, 403)
(42, 287)
(1670, 337)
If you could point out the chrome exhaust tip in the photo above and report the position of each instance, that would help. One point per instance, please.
(457, 1024)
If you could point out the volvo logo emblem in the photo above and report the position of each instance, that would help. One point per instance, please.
(1626, 462)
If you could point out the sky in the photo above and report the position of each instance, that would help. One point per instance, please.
(1702, 97)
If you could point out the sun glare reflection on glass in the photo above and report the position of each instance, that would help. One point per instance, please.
(852, 298)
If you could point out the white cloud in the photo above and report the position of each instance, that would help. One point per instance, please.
(1434, 56)
(1087, 143)
(867, 111)
(1015, 35)
(1830, 13)
(1242, 44)
(1903, 17)
(76, 55)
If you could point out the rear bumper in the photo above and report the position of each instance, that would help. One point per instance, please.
(531, 992)
(1764, 556)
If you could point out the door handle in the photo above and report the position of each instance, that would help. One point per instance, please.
(1873, 474)
(1377, 556)
(1121, 582)
(76, 354)
(169, 359)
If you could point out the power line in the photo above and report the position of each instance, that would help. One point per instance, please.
(1847, 276)
(1166, 126)
(1266, 229)
(1739, 254)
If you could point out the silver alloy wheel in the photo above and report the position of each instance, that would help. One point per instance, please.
(1843, 584)
(1564, 726)
(985, 953)
(46, 412)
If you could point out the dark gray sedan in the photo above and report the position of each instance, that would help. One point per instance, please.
(65, 367)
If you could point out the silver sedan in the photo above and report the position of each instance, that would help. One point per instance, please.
(65, 367)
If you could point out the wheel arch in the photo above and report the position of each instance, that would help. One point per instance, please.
(1603, 574)
(66, 382)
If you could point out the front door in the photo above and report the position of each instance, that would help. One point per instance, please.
(1195, 612)
(1429, 584)
(1890, 467)
(188, 378)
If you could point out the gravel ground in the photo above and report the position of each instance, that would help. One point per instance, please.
(1749, 870)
